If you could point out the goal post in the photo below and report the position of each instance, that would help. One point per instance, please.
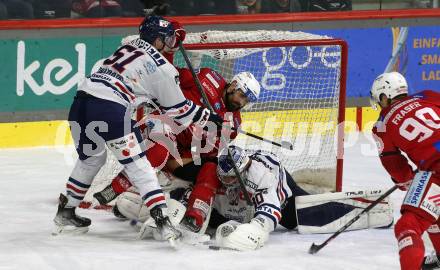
(302, 101)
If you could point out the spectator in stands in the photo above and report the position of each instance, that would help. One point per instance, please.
(157, 7)
(136, 8)
(277, 6)
(97, 8)
(52, 9)
(3, 11)
(325, 5)
(184, 8)
(17, 9)
(248, 6)
(133, 8)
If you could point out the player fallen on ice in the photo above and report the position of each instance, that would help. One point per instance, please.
(277, 200)
(101, 116)
(410, 124)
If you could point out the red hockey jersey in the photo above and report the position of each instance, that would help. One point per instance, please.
(412, 126)
(213, 85)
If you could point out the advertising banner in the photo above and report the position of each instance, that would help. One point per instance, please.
(43, 74)
(370, 51)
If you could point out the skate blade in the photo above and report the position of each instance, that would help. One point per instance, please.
(69, 230)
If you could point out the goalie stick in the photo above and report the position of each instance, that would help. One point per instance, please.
(208, 105)
(315, 248)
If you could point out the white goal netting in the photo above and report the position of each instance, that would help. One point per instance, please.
(300, 98)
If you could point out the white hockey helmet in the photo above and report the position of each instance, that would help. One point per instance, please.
(225, 169)
(248, 84)
(391, 84)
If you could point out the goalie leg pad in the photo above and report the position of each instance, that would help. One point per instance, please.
(131, 206)
(327, 213)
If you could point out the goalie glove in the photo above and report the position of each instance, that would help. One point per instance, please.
(224, 230)
(180, 34)
(243, 237)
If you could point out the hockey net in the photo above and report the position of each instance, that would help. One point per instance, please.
(301, 104)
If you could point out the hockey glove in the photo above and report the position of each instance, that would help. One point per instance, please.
(248, 236)
(403, 185)
(180, 34)
(179, 31)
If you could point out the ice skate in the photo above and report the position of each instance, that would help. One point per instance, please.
(164, 229)
(67, 222)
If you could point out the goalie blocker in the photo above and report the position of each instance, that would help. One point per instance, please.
(326, 213)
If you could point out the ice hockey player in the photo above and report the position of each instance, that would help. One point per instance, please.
(276, 200)
(410, 125)
(227, 99)
(101, 115)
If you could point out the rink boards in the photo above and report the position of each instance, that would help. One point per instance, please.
(53, 133)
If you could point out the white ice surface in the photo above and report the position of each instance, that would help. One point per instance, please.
(31, 180)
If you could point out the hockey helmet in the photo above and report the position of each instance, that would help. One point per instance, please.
(225, 168)
(248, 84)
(391, 84)
(153, 27)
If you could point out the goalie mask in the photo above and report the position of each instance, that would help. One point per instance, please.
(225, 169)
(153, 27)
(390, 84)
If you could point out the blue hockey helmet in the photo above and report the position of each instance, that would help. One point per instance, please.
(225, 169)
(153, 27)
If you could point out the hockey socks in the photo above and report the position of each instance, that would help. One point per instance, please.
(202, 196)
(408, 231)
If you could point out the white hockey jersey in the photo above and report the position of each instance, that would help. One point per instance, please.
(268, 188)
(137, 73)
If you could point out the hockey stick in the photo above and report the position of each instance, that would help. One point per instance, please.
(208, 105)
(284, 144)
(315, 248)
